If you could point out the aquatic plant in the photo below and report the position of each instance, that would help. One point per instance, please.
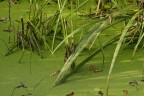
(102, 24)
(36, 30)
(39, 30)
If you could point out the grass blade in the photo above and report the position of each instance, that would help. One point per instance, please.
(118, 48)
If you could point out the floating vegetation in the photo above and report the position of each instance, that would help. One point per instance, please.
(40, 31)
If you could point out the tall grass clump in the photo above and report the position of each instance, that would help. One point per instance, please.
(36, 29)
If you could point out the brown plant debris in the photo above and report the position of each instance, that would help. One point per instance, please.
(94, 69)
(70, 94)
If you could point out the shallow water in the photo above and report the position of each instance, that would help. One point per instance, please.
(83, 83)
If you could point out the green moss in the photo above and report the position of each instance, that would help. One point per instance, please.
(83, 83)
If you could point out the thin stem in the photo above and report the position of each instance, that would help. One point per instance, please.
(9, 14)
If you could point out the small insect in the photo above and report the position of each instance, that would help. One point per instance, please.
(70, 94)
(100, 93)
(125, 91)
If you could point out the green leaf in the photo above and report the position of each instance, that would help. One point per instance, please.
(118, 48)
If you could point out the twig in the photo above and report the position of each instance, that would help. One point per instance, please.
(38, 83)
(13, 91)
(19, 86)
(5, 43)
(9, 13)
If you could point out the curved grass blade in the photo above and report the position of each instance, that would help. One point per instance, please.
(139, 40)
(118, 48)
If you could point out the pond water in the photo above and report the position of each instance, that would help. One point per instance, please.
(83, 83)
